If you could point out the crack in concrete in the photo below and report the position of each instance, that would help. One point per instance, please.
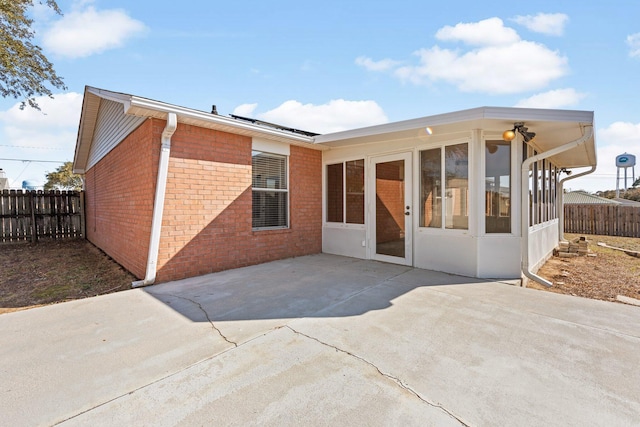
(213, 326)
(396, 380)
(159, 380)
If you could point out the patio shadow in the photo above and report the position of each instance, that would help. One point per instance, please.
(308, 286)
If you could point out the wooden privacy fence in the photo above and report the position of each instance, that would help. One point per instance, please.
(30, 215)
(607, 220)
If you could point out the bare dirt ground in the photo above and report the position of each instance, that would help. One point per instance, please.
(56, 271)
(609, 274)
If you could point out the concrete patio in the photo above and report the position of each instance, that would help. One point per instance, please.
(323, 340)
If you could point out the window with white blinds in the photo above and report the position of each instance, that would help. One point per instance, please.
(270, 190)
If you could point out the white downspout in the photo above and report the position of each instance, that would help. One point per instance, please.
(560, 206)
(524, 205)
(158, 203)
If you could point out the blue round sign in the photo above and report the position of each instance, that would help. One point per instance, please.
(625, 160)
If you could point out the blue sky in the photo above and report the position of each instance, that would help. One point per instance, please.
(334, 65)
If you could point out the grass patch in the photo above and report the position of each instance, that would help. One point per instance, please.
(55, 271)
(609, 274)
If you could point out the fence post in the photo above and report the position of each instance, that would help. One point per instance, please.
(34, 227)
(83, 224)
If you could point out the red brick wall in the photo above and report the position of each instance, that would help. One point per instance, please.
(207, 218)
(206, 224)
(119, 199)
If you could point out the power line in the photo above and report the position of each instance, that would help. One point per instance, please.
(35, 161)
(21, 172)
(37, 148)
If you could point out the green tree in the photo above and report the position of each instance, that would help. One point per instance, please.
(24, 70)
(63, 179)
(636, 183)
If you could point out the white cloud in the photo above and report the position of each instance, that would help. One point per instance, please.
(245, 110)
(633, 41)
(615, 139)
(559, 98)
(81, 33)
(519, 67)
(371, 65)
(334, 116)
(488, 32)
(49, 134)
(625, 133)
(497, 62)
(61, 112)
(551, 24)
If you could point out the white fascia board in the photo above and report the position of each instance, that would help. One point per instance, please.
(541, 114)
(88, 118)
(474, 114)
(122, 98)
(149, 104)
(132, 104)
(86, 126)
(439, 119)
(403, 125)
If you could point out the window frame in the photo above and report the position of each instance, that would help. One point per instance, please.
(285, 190)
(512, 162)
(325, 207)
(439, 219)
(443, 186)
(543, 189)
(340, 199)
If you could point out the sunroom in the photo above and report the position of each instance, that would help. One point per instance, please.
(474, 192)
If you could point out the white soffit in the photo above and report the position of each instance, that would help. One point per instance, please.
(150, 108)
(144, 107)
(147, 108)
(88, 119)
(553, 128)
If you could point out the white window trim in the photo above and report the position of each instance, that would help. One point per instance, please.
(271, 147)
(277, 190)
(515, 168)
(442, 230)
(325, 192)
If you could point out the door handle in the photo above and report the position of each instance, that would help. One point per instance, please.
(407, 213)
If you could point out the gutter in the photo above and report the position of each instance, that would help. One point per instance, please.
(136, 102)
(524, 201)
(560, 206)
(158, 204)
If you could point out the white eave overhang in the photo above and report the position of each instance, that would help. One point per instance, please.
(143, 107)
(552, 127)
(86, 128)
(150, 108)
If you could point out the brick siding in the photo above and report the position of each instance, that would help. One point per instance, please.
(119, 198)
(207, 224)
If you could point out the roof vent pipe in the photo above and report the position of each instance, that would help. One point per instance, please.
(214, 110)
(158, 203)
